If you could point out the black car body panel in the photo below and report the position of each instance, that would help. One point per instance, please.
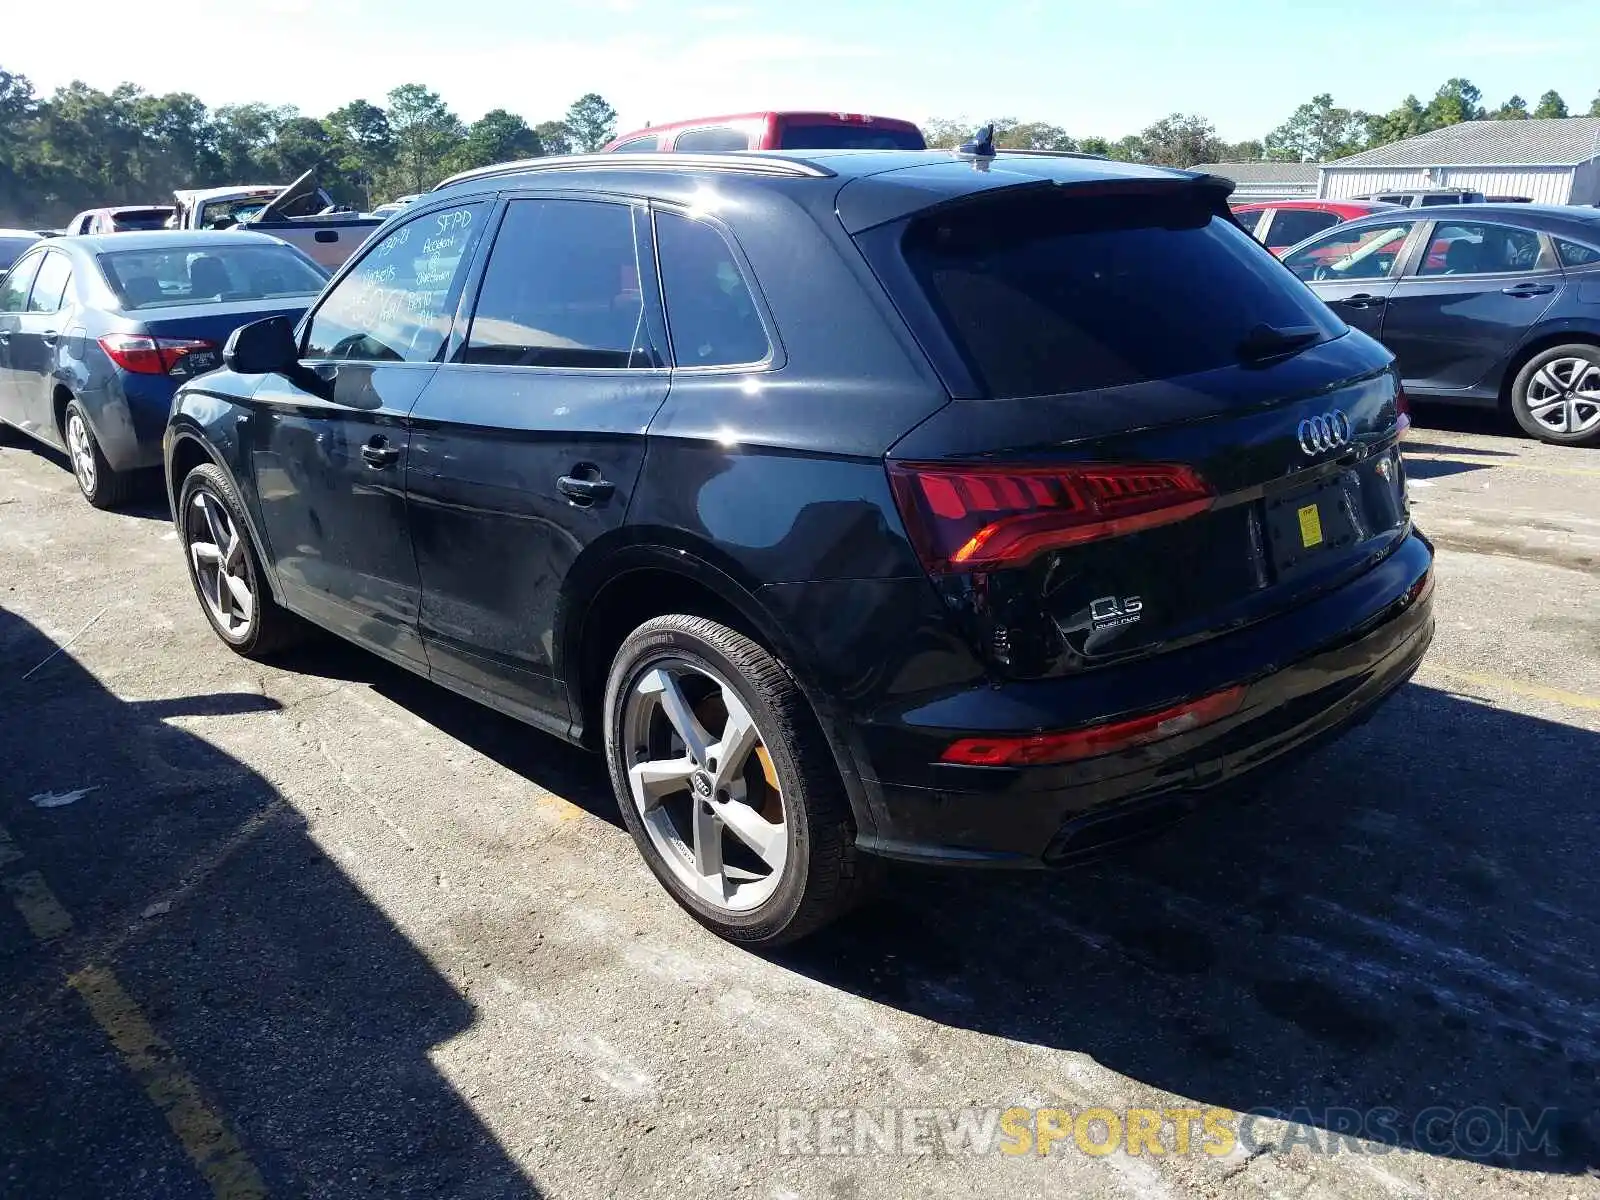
(468, 515)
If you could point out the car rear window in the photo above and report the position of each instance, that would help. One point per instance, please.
(130, 219)
(1051, 294)
(823, 136)
(209, 275)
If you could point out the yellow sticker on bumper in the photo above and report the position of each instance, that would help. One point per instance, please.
(1310, 526)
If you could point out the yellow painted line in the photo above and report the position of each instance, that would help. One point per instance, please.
(1532, 691)
(1424, 456)
(38, 905)
(561, 810)
(209, 1142)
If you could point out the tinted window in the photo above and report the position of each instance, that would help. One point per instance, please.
(397, 303)
(710, 313)
(1294, 225)
(1574, 255)
(848, 137)
(561, 289)
(209, 274)
(1368, 252)
(638, 145)
(1048, 294)
(140, 218)
(14, 291)
(1461, 248)
(51, 286)
(11, 249)
(711, 141)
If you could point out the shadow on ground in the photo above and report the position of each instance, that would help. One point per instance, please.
(303, 1014)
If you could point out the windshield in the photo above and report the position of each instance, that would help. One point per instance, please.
(1050, 294)
(849, 137)
(237, 210)
(209, 275)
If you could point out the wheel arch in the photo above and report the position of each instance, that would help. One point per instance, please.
(188, 448)
(1570, 334)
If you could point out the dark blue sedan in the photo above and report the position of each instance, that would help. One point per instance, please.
(96, 333)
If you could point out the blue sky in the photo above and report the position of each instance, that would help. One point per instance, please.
(1106, 67)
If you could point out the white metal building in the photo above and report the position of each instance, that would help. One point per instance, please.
(1550, 161)
(1267, 180)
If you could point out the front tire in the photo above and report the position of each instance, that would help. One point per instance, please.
(100, 485)
(727, 785)
(1556, 395)
(225, 567)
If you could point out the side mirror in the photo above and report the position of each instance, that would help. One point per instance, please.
(262, 348)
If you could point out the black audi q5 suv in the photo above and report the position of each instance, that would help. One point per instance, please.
(968, 510)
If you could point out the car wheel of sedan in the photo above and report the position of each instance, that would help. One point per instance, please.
(226, 569)
(100, 485)
(726, 783)
(1556, 396)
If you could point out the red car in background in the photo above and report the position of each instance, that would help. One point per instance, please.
(1279, 224)
(773, 131)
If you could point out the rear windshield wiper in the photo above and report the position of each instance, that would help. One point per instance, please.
(1266, 342)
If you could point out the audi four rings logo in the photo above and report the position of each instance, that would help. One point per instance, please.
(1324, 432)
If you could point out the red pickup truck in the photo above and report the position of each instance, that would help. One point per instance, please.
(773, 131)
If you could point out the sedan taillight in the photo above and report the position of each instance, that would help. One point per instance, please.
(144, 355)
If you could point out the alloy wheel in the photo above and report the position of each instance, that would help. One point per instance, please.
(710, 803)
(221, 566)
(81, 448)
(1564, 396)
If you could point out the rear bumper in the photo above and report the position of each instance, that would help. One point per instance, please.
(1310, 675)
(129, 416)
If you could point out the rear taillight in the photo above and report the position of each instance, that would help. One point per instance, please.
(1402, 409)
(145, 355)
(1039, 749)
(979, 518)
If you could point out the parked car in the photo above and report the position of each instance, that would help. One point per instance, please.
(1425, 197)
(96, 333)
(395, 205)
(1279, 224)
(773, 131)
(12, 243)
(1042, 505)
(301, 214)
(121, 220)
(1496, 307)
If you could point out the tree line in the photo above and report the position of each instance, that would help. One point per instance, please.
(83, 148)
(1317, 131)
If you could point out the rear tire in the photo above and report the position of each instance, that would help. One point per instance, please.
(763, 851)
(225, 568)
(100, 485)
(1556, 395)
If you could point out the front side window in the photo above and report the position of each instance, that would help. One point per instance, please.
(1369, 252)
(396, 304)
(1294, 225)
(14, 291)
(1574, 254)
(188, 274)
(718, 140)
(1471, 248)
(50, 288)
(561, 290)
(711, 315)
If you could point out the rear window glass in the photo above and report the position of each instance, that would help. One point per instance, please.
(1046, 294)
(152, 218)
(848, 137)
(208, 275)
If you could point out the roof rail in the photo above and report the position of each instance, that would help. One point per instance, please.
(750, 164)
(1007, 153)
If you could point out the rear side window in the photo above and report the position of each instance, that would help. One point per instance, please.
(1572, 254)
(1048, 294)
(561, 290)
(1295, 225)
(710, 313)
(718, 140)
(638, 145)
(819, 136)
(14, 290)
(1474, 249)
(50, 288)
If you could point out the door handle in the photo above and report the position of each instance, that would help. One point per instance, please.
(49, 337)
(584, 492)
(5, 336)
(1523, 290)
(1362, 300)
(379, 453)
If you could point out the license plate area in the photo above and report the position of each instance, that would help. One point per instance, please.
(1305, 524)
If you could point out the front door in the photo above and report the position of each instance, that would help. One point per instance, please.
(329, 446)
(1352, 269)
(527, 444)
(35, 339)
(1474, 294)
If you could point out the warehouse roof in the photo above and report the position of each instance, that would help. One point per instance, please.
(1262, 172)
(1545, 142)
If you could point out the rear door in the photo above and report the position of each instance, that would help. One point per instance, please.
(1291, 226)
(1473, 294)
(526, 445)
(1159, 436)
(1352, 268)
